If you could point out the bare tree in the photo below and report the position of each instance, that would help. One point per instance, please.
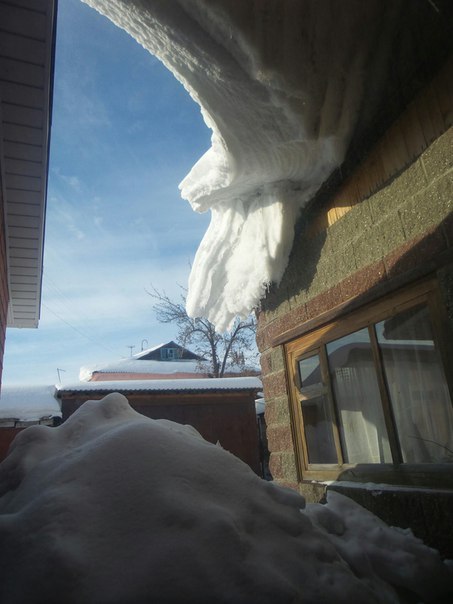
(221, 352)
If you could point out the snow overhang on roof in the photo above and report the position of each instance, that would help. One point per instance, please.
(285, 87)
(29, 403)
(251, 384)
(27, 37)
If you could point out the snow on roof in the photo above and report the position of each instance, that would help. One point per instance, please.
(178, 519)
(133, 365)
(272, 88)
(182, 385)
(28, 403)
(136, 364)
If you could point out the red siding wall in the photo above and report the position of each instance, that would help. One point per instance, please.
(225, 417)
(3, 285)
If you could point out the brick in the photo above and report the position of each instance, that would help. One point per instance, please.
(283, 467)
(277, 411)
(325, 301)
(342, 232)
(272, 360)
(373, 244)
(278, 358)
(266, 363)
(261, 339)
(276, 328)
(363, 280)
(279, 439)
(298, 315)
(438, 158)
(294, 486)
(428, 208)
(274, 384)
(276, 466)
(415, 252)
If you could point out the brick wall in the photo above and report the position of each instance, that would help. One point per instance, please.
(388, 224)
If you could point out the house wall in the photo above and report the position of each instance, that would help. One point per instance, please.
(4, 296)
(99, 376)
(225, 417)
(387, 225)
(7, 435)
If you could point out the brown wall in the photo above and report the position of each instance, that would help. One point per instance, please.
(228, 418)
(99, 376)
(7, 435)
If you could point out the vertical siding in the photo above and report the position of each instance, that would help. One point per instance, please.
(3, 284)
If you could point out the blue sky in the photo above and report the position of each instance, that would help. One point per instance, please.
(124, 134)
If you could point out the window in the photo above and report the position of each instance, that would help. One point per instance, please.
(371, 388)
(169, 354)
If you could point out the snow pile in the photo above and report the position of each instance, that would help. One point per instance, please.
(281, 85)
(113, 507)
(28, 403)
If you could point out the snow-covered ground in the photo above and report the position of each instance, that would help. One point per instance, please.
(282, 85)
(113, 507)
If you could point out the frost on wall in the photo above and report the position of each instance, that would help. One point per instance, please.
(281, 84)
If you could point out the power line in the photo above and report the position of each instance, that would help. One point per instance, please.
(84, 335)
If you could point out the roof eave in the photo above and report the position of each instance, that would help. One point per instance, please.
(26, 109)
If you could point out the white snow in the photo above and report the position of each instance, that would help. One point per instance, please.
(113, 507)
(281, 87)
(28, 403)
(132, 365)
(135, 364)
(174, 385)
(260, 406)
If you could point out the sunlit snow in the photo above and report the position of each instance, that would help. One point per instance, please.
(113, 507)
(280, 84)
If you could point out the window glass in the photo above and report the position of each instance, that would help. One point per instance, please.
(362, 427)
(168, 353)
(417, 387)
(316, 413)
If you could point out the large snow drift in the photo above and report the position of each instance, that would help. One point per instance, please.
(281, 85)
(113, 507)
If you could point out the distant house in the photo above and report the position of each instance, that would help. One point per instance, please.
(163, 362)
(27, 37)
(167, 361)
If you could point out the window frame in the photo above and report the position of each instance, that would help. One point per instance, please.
(313, 342)
(166, 356)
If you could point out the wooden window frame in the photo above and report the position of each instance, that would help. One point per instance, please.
(426, 293)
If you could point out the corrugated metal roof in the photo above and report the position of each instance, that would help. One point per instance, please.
(184, 385)
(27, 35)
